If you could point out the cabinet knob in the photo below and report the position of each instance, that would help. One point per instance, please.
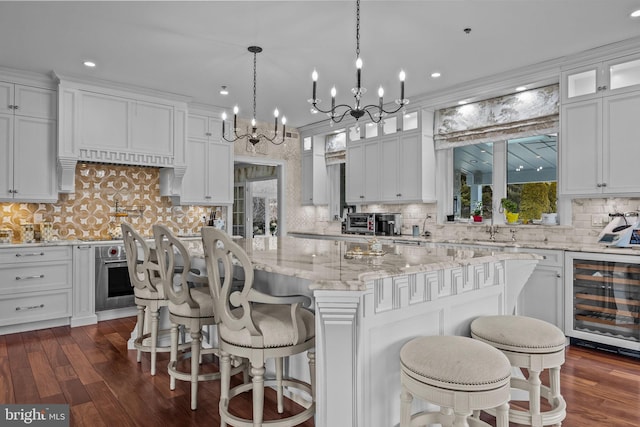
(362, 197)
(598, 185)
(15, 107)
(15, 191)
(10, 191)
(604, 184)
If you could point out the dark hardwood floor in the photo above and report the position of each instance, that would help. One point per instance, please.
(91, 369)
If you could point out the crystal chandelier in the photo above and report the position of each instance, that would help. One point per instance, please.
(375, 112)
(254, 137)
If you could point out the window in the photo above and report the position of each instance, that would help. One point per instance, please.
(532, 175)
(472, 180)
(529, 171)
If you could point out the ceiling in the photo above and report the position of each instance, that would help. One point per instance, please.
(193, 48)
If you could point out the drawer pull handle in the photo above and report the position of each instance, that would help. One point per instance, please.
(31, 254)
(30, 307)
(36, 276)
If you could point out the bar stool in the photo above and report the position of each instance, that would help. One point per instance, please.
(535, 345)
(459, 374)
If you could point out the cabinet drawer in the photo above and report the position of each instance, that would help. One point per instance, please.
(550, 258)
(34, 306)
(34, 254)
(35, 277)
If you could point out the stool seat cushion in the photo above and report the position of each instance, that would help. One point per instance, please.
(274, 322)
(455, 363)
(518, 333)
(202, 297)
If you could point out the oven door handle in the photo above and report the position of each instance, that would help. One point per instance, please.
(119, 261)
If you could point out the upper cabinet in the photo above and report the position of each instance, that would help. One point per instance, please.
(314, 171)
(208, 179)
(27, 143)
(601, 79)
(599, 129)
(109, 124)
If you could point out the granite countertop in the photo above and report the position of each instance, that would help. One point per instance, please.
(323, 262)
(573, 247)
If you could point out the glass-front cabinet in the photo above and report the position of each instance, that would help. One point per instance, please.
(603, 299)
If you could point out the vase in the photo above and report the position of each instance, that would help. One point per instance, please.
(477, 218)
(512, 217)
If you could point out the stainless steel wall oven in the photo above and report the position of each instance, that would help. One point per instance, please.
(113, 286)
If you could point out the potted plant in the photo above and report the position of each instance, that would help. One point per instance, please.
(510, 210)
(477, 211)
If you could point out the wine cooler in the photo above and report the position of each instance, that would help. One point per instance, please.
(603, 300)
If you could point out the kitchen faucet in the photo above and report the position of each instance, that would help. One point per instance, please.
(492, 229)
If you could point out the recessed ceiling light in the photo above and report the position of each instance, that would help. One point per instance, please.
(463, 102)
(521, 88)
(435, 75)
(635, 13)
(224, 91)
(89, 64)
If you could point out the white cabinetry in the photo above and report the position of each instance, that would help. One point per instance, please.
(27, 143)
(314, 172)
(208, 179)
(389, 169)
(599, 129)
(543, 295)
(84, 285)
(35, 287)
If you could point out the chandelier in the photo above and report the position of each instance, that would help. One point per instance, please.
(254, 137)
(375, 112)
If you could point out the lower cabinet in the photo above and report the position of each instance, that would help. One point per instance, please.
(35, 286)
(543, 295)
(84, 285)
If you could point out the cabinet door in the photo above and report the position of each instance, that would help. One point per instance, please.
(621, 151)
(355, 173)
(581, 148)
(35, 102)
(195, 177)
(6, 157)
(389, 188)
(410, 168)
(543, 296)
(582, 83)
(372, 166)
(220, 172)
(152, 128)
(307, 178)
(198, 127)
(623, 74)
(34, 174)
(104, 121)
(6, 97)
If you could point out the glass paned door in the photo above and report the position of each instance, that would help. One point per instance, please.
(239, 209)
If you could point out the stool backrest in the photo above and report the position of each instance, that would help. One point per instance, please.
(175, 267)
(143, 270)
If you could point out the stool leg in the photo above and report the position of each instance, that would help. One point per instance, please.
(502, 415)
(140, 328)
(173, 359)
(196, 338)
(311, 355)
(554, 385)
(534, 397)
(405, 407)
(257, 372)
(279, 384)
(154, 339)
(225, 379)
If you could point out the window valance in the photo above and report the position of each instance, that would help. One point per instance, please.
(526, 113)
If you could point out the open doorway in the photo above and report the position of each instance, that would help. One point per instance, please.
(258, 203)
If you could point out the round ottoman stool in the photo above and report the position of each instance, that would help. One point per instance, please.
(535, 345)
(459, 374)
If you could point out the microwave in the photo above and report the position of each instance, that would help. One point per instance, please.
(360, 223)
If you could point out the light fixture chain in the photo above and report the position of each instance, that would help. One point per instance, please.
(357, 29)
(254, 83)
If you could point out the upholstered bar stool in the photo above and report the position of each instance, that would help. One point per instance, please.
(459, 374)
(535, 345)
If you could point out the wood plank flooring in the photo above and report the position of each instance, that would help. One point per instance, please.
(91, 369)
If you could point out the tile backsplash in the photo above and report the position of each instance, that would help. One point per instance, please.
(89, 213)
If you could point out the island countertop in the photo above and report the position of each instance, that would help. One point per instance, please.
(323, 262)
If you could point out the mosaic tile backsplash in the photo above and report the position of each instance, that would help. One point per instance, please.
(90, 212)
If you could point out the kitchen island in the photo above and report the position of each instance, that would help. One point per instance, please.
(369, 303)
